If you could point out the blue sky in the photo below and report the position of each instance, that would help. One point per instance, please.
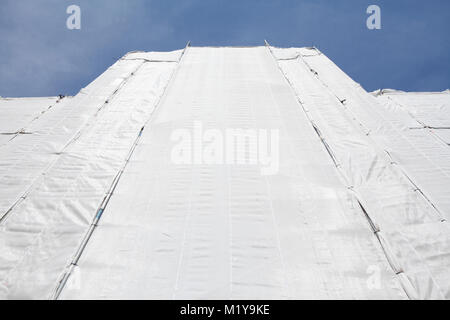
(39, 56)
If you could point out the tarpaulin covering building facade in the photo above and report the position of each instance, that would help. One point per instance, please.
(114, 193)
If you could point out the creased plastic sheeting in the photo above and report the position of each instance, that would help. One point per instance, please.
(294, 53)
(443, 134)
(205, 231)
(419, 154)
(26, 158)
(348, 119)
(423, 157)
(40, 235)
(432, 114)
(16, 113)
(423, 152)
(430, 108)
(395, 114)
(172, 56)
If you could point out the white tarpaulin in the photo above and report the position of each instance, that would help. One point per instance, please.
(54, 179)
(128, 190)
(395, 174)
(17, 113)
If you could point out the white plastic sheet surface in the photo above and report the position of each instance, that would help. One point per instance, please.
(399, 175)
(429, 110)
(17, 113)
(202, 231)
(53, 180)
(422, 148)
(443, 134)
(353, 209)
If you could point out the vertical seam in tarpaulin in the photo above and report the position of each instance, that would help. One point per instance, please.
(393, 162)
(286, 285)
(368, 132)
(416, 188)
(405, 283)
(23, 129)
(75, 137)
(423, 124)
(401, 170)
(73, 263)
